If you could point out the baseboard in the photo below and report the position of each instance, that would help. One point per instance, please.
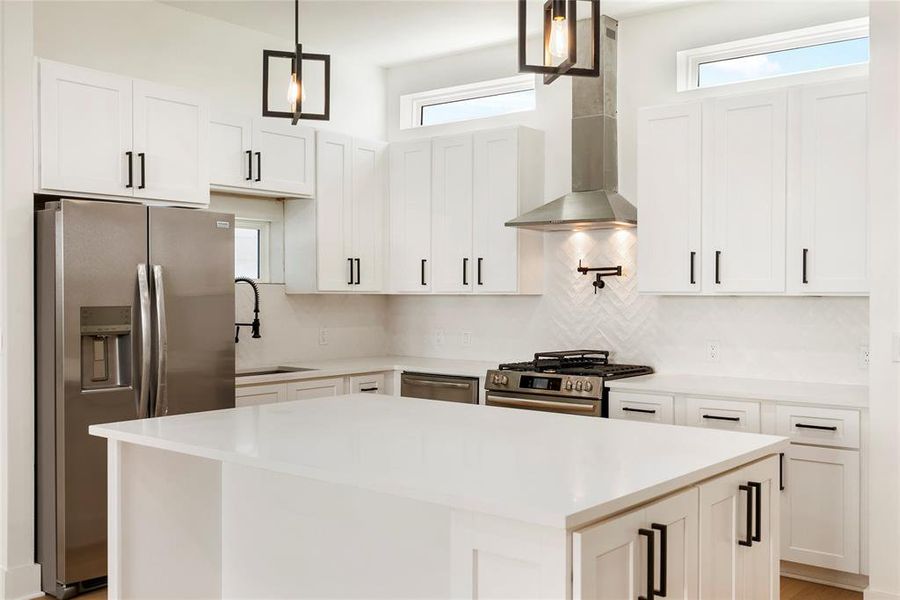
(21, 583)
(876, 595)
(847, 581)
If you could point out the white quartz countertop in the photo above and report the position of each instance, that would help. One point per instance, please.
(371, 364)
(550, 469)
(829, 394)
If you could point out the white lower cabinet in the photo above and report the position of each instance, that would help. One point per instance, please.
(304, 389)
(372, 383)
(266, 393)
(820, 507)
(699, 543)
(315, 388)
(656, 408)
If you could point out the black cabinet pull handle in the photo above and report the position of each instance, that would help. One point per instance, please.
(663, 557)
(350, 261)
(819, 427)
(479, 271)
(749, 537)
(249, 165)
(805, 255)
(258, 166)
(130, 156)
(781, 471)
(646, 411)
(370, 389)
(693, 277)
(757, 530)
(465, 270)
(721, 418)
(358, 271)
(718, 260)
(423, 271)
(651, 553)
(143, 158)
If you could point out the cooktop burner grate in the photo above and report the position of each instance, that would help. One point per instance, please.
(578, 362)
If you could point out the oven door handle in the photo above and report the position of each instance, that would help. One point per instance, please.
(552, 404)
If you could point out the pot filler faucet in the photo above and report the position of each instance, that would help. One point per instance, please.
(254, 326)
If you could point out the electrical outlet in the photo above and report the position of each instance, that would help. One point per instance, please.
(323, 336)
(864, 357)
(713, 351)
(466, 338)
(439, 337)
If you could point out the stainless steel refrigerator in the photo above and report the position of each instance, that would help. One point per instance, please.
(135, 319)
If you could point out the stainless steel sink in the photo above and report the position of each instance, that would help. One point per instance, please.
(272, 371)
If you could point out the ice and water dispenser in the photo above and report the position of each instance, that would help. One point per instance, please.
(106, 347)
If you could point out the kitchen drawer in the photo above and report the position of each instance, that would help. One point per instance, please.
(267, 393)
(657, 408)
(307, 389)
(819, 426)
(371, 383)
(734, 415)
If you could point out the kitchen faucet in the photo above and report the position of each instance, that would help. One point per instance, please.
(254, 326)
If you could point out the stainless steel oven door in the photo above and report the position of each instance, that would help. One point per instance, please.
(556, 404)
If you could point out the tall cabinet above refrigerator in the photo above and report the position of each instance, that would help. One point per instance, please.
(135, 317)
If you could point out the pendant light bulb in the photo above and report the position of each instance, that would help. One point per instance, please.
(559, 38)
(295, 91)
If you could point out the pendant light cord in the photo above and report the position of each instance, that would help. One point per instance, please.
(296, 22)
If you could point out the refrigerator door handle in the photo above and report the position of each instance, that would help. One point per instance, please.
(161, 404)
(143, 408)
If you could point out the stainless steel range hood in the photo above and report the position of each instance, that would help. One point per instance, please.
(594, 202)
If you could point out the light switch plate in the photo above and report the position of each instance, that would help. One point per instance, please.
(713, 351)
(864, 356)
(323, 336)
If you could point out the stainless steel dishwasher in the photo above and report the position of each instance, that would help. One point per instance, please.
(450, 388)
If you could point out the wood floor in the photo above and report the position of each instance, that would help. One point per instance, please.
(791, 589)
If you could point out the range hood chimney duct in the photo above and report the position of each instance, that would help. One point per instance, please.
(595, 202)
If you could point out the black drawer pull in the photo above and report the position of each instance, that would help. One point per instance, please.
(350, 262)
(249, 165)
(721, 418)
(369, 389)
(781, 471)
(423, 271)
(749, 537)
(757, 530)
(143, 158)
(646, 411)
(663, 557)
(805, 255)
(130, 156)
(718, 260)
(258, 166)
(693, 278)
(358, 271)
(465, 270)
(819, 427)
(651, 554)
(479, 271)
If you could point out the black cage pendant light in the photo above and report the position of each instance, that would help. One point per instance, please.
(560, 45)
(296, 91)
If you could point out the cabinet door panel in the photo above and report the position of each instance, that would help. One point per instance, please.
(287, 158)
(252, 395)
(410, 215)
(315, 388)
(229, 164)
(608, 560)
(669, 193)
(746, 196)
(679, 516)
(334, 211)
(830, 216)
(85, 130)
(820, 504)
(451, 212)
(171, 129)
(495, 201)
(722, 515)
(368, 214)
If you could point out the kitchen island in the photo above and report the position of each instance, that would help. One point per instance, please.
(384, 497)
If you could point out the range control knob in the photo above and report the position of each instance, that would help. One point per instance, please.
(495, 378)
(569, 384)
(504, 380)
(578, 385)
(588, 386)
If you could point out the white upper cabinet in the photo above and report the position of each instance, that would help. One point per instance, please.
(669, 197)
(368, 199)
(744, 196)
(828, 212)
(283, 157)
(410, 216)
(85, 130)
(451, 216)
(106, 135)
(334, 200)
(171, 133)
(231, 155)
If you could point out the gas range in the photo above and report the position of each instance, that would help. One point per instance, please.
(571, 382)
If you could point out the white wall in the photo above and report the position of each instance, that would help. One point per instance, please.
(19, 576)
(793, 338)
(162, 43)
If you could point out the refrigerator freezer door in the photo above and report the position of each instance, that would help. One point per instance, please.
(89, 348)
(193, 254)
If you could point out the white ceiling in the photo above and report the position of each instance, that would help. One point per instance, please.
(389, 32)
